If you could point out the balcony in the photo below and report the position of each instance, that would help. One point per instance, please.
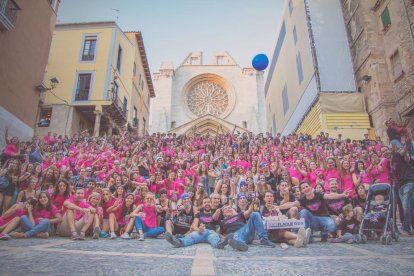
(8, 14)
(117, 109)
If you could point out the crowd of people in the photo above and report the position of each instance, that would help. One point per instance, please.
(213, 188)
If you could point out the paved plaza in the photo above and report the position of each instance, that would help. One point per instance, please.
(59, 256)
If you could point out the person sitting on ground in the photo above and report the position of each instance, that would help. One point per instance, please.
(182, 218)
(315, 212)
(284, 195)
(203, 229)
(335, 206)
(347, 230)
(243, 226)
(39, 218)
(146, 218)
(79, 216)
(10, 219)
(119, 216)
(300, 239)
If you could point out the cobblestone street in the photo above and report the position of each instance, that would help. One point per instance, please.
(58, 256)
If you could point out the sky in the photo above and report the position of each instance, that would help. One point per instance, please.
(171, 29)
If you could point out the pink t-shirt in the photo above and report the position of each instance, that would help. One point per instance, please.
(349, 184)
(334, 173)
(81, 204)
(18, 213)
(58, 200)
(150, 219)
(44, 213)
(384, 176)
(10, 149)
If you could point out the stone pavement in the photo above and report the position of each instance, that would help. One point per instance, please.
(61, 256)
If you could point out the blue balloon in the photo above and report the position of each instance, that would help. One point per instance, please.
(260, 62)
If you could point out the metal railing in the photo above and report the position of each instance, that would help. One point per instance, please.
(8, 14)
(119, 104)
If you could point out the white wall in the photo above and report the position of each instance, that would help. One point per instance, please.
(16, 127)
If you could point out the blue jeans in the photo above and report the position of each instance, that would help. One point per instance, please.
(208, 236)
(247, 232)
(324, 224)
(346, 237)
(27, 226)
(407, 199)
(148, 231)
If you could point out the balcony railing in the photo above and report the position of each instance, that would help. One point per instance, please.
(119, 104)
(8, 14)
(88, 57)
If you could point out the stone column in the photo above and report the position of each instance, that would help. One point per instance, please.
(98, 115)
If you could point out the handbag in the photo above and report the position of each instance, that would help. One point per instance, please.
(4, 183)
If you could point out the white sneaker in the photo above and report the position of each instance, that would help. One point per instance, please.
(308, 233)
(141, 237)
(125, 236)
(112, 235)
(300, 238)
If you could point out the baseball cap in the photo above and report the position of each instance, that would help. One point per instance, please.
(184, 196)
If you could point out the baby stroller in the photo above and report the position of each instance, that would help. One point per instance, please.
(379, 218)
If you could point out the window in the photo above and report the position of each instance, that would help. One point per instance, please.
(134, 69)
(285, 100)
(385, 19)
(397, 69)
(295, 35)
(88, 52)
(142, 84)
(45, 117)
(299, 68)
(84, 85)
(125, 105)
(274, 124)
(173, 124)
(144, 125)
(135, 117)
(193, 60)
(139, 78)
(220, 60)
(290, 6)
(244, 124)
(119, 59)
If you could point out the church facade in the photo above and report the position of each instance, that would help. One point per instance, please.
(215, 97)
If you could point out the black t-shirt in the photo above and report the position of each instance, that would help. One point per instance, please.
(265, 212)
(393, 134)
(272, 181)
(404, 171)
(359, 202)
(232, 224)
(348, 226)
(278, 199)
(184, 219)
(316, 205)
(143, 171)
(335, 205)
(207, 219)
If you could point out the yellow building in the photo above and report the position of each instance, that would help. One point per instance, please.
(310, 85)
(100, 81)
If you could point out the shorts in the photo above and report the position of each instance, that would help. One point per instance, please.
(180, 230)
(63, 228)
(276, 235)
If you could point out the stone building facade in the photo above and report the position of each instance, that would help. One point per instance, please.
(380, 35)
(209, 97)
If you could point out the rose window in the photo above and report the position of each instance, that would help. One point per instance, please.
(207, 97)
